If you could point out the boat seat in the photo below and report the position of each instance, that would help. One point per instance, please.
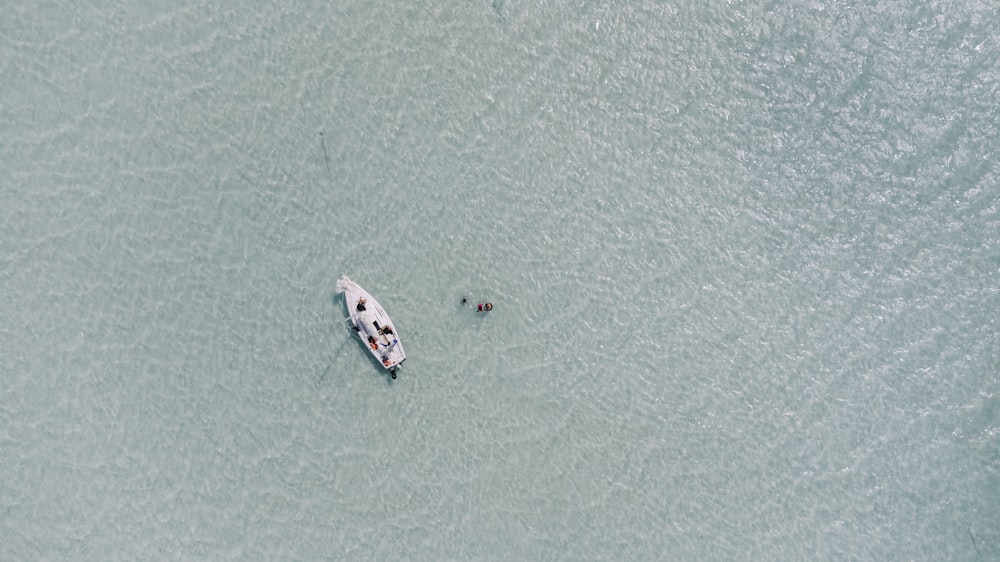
(366, 322)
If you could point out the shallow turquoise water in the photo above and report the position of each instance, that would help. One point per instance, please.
(744, 258)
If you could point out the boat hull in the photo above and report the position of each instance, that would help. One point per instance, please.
(372, 325)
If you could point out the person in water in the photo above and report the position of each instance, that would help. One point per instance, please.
(481, 307)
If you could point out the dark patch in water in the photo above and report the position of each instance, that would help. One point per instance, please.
(498, 6)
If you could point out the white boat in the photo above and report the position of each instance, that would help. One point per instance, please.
(372, 325)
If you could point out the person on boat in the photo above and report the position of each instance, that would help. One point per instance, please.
(373, 342)
(386, 330)
(361, 304)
